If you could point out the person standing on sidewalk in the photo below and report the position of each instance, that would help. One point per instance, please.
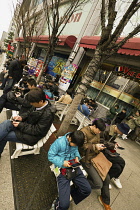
(61, 153)
(92, 139)
(15, 71)
(111, 114)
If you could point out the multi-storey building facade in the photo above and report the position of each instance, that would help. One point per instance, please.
(77, 43)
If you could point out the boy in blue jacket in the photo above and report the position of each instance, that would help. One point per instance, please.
(60, 153)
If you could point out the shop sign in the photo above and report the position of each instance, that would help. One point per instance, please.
(56, 65)
(67, 76)
(115, 93)
(35, 66)
(76, 21)
(11, 51)
(127, 71)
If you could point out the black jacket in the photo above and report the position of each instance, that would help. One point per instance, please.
(34, 126)
(15, 70)
(120, 117)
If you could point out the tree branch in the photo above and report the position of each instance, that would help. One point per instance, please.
(103, 18)
(134, 6)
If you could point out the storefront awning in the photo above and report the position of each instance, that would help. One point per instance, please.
(68, 40)
(131, 47)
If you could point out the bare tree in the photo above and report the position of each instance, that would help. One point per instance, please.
(107, 46)
(28, 20)
(56, 22)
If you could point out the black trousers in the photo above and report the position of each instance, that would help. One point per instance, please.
(118, 164)
(97, 183)
(6, 104)
(78, 193)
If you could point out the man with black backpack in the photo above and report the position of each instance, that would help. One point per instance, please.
(15, 70)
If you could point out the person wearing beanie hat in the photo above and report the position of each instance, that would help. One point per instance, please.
(118, 163)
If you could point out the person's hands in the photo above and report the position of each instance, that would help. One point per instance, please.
(117, 145)
(66, 163)
(100, 147)
(76, 160)
(10, 77)
(15, 123)
(19, 118)
(17, 94)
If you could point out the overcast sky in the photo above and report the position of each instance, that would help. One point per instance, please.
(6, 9)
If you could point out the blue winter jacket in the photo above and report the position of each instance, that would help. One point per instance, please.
(84, 110)
(60, 151)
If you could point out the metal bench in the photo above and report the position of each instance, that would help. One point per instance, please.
(80, 119)
(62, 109)
(20, 148)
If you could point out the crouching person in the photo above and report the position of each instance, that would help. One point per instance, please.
(63, 153)
(31, 126)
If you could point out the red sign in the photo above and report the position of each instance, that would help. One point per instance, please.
(128, 71)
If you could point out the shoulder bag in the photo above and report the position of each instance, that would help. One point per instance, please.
(101, 164)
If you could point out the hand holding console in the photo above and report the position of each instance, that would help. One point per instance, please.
(73, 163)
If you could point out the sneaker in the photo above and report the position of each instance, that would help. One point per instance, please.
(110, 187)
(55, 204)
(70, 198)
(117, 182)
(106, 206)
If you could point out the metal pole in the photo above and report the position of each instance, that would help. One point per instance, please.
(103, 85)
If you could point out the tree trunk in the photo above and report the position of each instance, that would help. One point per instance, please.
(69, 116)
(49, 55)
(87, 79)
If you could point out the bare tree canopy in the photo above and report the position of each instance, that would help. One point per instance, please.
(108, 45)
(56, 21)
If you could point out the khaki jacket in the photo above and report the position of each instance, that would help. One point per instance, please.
(90, 138)
(133, 122)
(65, 99)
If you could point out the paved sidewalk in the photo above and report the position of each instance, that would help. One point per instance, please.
(6, 188)
(2, 60)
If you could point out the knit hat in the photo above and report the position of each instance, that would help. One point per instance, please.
(124, 128)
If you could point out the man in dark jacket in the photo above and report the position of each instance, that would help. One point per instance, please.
(32, 125)
(13, 100)
(14, 74)
(112, 112)
(120, 116)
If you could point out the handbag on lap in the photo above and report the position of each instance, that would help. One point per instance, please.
(101, 164)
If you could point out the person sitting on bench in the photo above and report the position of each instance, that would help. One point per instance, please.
(32, 125)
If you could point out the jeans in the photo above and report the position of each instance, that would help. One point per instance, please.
(97, 183)
(7, 133)
(78, 193)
